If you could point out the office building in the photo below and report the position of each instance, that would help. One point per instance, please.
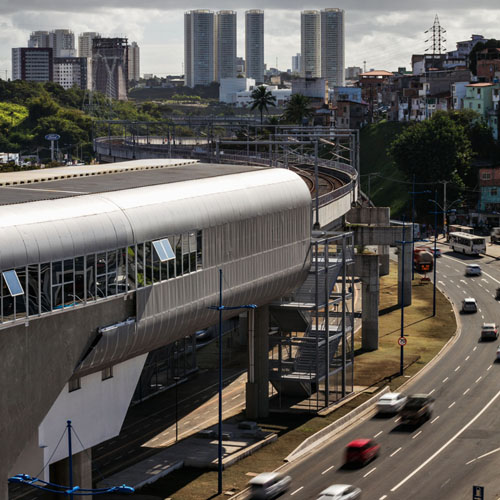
(39, 39)
(310, 43)
(110, 67)
(33, 64)
(200, 47)
(134, 68)
(85, 43)
(254, 45)
(332, 46)
(63, 43)
(353, 72)
(226, 44)
(71, 71)
(296, 63)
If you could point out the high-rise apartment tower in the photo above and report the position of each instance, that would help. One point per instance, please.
(310, 31)
(332, 46)
(85, 43)
(254, 45)
(226, 44)
(134, 62)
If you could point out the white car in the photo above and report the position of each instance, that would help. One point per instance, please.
(340, 492)
(268, 485)
(391, 402)
(473, 270)
(469, 304)
(498, 353)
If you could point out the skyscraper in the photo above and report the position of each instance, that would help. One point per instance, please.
(310, 43)
(226, 44)
(39, 39)
(85, 43)
(332, 46)
(199, 48)
(296, 63)
(63, 43)
(134, 68)
(254, 45)
(33, 64)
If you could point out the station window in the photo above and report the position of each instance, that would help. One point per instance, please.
(107, 373)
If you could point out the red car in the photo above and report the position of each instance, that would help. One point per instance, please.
(361, 451)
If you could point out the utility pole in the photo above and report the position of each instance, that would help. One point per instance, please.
(444, 205)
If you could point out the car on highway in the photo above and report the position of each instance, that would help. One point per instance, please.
(268, 485)
(390, 403)
(469, 305)
(489, 331)
(361, 451)
(497, 293)
(498, 353)
(340, 492)
(417, 409)
(473, 270)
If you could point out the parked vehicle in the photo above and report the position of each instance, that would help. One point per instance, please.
(495, 235)
(467, 243)
(489, 331)
(391, 402)
(417, 409)
(473, 270)
(469, 305)
(340, 492)
(269, 485)
(361, 451)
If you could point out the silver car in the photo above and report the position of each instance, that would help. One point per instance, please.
(340, 492)
(269, 485)
(472, 270)
(391, 402)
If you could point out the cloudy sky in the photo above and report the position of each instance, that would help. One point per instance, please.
(384, 33)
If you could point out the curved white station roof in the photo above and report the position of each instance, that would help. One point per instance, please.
(41, 231)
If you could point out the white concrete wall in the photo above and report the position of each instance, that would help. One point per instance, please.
(229, 87)
(97, 410)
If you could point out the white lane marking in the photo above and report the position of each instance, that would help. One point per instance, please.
(458, 286)
(396, 420)
(394, 452)
(486, 290)
(478, 379)
(479, 309)
(457, 270)
(431, 391)
(434, 419)
(482, 316)
(466, 391)
(464, 264)
(296, 491)
(470, 461)
(378, 434)
(480, 285)
(452, 404)
(445, 380)
(383, 498)
(417, 434)
(467, 358)
(451, 281)
(489, 453)
(489, 367)
(447, 265)
(476, 346)
(463, 281)
(457, 368)
(486, 281)
(234, 397)
(464, 291)
(369, 472)
(329, 468)
(440, 282)
(444, 276)
(445, 445)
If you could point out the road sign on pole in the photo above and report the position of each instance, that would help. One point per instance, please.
(52, 138)
(478, 493)
(402, 341)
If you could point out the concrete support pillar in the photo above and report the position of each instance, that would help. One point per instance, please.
(383, 251)
(408, 263)
(370, 302)
(82, 470)
(257, 388)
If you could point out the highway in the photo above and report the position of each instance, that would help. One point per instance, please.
(460, 446)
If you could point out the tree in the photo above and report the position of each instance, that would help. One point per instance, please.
(297, 109)
(433, 150)
(262, 99)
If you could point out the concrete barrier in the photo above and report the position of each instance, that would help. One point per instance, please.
(329, 431)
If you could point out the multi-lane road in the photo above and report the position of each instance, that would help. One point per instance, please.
(460, 446)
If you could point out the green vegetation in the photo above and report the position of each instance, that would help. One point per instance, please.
(11, 114)
(298, 109)
(386, 188)
(262, 99)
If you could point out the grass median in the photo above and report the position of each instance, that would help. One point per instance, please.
(426, 335)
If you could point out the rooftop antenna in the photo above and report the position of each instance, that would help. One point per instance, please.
(364, 66)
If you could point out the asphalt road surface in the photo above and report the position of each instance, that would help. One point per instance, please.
(460, 446)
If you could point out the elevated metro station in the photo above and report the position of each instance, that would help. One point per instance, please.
(101, 265)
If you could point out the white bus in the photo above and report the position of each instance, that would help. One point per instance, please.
(467, 243)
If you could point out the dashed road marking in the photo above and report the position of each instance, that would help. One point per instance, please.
(478, 379)
(378, 434)
(417, 434)
(383, 498)
(394, 452)
(452, 404)
(476, 346)
(431, 391)
(467, 358)
(296, 491)
(369, 472)
(396, 420)
(329, 468)
(466, 391)
(445, 380)
(434, 419)
(489, 367)
(457, 368)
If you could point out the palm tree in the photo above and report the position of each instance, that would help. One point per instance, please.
(262, 98)
(298, 108)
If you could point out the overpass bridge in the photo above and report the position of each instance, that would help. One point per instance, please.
(101, 265)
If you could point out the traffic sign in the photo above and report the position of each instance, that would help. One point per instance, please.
(52, 137)
(402, 341)
(478, 493)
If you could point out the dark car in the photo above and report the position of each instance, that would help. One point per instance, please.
(361, 451)
(417, 409)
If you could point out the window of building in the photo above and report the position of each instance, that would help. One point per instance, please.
(74, 384)
(107, 373)
(486, 176)
(493, 191)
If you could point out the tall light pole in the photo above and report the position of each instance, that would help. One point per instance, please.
(221, 308)
(176, 379)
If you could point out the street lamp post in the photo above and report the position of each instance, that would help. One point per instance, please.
(221, 308)
(176, 380)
